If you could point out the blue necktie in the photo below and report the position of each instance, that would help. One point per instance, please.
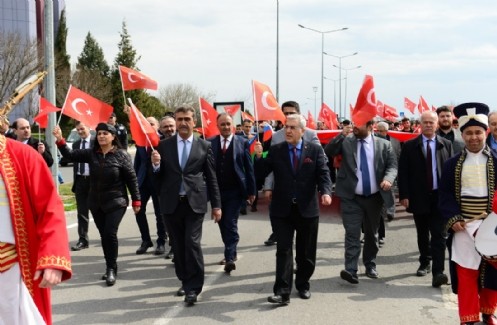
(366, 182)
(184, 155)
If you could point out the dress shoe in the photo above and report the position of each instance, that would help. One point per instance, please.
(223, 261)
(180, 292)
(230, 266)
(253, 209)
(270, 241)
(489, 319)
(349, 277)
(143, 248)
(371, 272)
(191, 298)
(170, 254)
(104, 276)
(160, 250)
(389, 217)
(423, 270)
(110, 277)
(439, 279)
(243, 212)
(304, 294)
(79, 246)
(279, 299)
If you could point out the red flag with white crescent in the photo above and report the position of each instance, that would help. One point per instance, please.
(142, 131)
(45, 108)
(232, 109)
(208, 115)
(265, 105)
(132, 79)
(328, 117)
(85, 108)
(390, 113)
(409, 104)
(365, 108)
(423, 105)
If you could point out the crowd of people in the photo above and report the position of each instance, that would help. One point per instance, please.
(444, 176)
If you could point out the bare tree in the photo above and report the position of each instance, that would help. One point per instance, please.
(175, 95)
(19, 59)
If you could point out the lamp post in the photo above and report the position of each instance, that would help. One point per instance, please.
(340, 76)
(315, 89)
(346, 80)
(334, 92)
(322, 51)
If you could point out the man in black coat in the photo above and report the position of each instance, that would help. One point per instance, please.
(186, 173)
(420, 169)
(300, 171)
(22, 130)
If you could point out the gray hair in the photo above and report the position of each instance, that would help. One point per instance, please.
(382, 124)
(299, 118)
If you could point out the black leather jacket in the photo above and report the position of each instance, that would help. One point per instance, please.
(110, 174)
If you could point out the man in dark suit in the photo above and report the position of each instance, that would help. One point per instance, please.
(300, 171)
(367, 170)
(235, 177)
(22, 130)
(81, 186)
(420, 169)
(147, 187)
(446, 129)
(187, 177)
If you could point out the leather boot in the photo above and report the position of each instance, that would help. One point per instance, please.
(104, 276)
(110, 277)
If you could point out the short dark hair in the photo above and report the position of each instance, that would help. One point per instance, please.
(405, 119)
(185, 109)
(346, 122)
(293, 104)
(247, 120)
(443, 108)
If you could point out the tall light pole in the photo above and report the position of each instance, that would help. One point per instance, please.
(315, 89)
(334, 93)
(322, 51)
(346, 81)
(340, 76)
(277, 50)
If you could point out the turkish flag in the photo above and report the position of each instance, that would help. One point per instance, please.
(142, 131)
(247, 116)
(85, 108)
(402, 136)
(132, 79)
(380, 108)
(423, 105)
(325, 136)
(365, 107)
(232, 109)
(265, 105)
(45, 108)
(389, 113)
(311, 124)
(409, 104)
(209, 116)
(328, 117)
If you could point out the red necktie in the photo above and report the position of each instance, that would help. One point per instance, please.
(224, 145)
(429, 166)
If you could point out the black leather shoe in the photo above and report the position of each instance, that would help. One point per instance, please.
(180, 292)
(423, 270)
(191, 298)
(243, 212)
(104, 276)
(389, 217)
(439, 280)
(110, 277)
(270, 241)
(230, 266)
(349, 277)
(143, 248)
(304, 294)
(79, 246)
(170, 254)
(371, 272)
(160, 250)
(279, 299)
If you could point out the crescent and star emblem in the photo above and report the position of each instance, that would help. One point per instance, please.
(370, 98)
(205, 115)
(264, 101)
(75, 104)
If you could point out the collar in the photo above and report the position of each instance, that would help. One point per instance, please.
(425, 138)
(230, 138)
(189, 139)
(299, 145)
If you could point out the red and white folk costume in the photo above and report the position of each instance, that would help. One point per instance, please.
(32, 219)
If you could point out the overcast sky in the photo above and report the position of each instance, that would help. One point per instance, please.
(444, 50)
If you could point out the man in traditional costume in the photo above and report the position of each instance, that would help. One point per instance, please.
(34, 253)
(466, 191)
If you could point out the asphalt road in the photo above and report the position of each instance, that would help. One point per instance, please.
(146, 284)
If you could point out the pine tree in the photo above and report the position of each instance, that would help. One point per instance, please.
(62, 62)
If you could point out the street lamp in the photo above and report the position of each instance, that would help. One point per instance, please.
(346, 80)
(322, 51)
(340, 76)
(334, 92)
(315, 89)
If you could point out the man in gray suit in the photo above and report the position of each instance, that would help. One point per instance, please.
(368, 168)
(288, 108)
(186, 174)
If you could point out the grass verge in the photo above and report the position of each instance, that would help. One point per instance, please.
(67, 197)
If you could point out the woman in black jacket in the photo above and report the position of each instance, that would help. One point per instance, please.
(111, 172)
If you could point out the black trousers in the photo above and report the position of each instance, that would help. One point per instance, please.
(306, 230)
(185, 232)
(431, 239)
(107, 225)
(81, 191)
(147, 191)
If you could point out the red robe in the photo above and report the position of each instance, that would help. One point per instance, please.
(38, 218)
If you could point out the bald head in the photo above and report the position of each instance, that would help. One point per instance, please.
(22, 129)
(153, 122)
(429, 123)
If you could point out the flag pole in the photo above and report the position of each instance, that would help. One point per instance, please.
(255, 111)
(122, 85)
(63, 106)
(201, 117)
